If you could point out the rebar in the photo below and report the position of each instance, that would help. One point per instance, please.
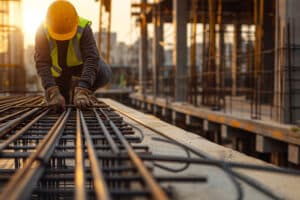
(59, 155)
(94, 153)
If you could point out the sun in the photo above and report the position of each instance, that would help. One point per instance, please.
(32, 19)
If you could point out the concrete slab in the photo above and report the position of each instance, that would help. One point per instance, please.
(219, 186)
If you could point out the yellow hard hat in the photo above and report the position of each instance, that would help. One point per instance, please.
(61, 20)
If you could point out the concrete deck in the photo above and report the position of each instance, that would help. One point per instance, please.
(265, 128)
(218, 186)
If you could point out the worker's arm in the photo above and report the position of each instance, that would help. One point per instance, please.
(42, 58)
(43, 65)
(90, 57)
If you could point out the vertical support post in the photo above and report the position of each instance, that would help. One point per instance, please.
(204, 77)
(180, 49)
(258, 21)
(235, 51)
(108, 33)
(249, 76)
(268, 58)
(279, 60)
(212, 53)
(143, 55)
(220, 69)
(193, 72)
(157, 49)
(100, 27)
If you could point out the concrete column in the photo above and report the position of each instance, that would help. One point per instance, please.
(143, 53)
(157, 50)
(268, 58)
(180, 49)
(288, 59)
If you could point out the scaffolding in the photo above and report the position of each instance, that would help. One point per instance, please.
(11, 47)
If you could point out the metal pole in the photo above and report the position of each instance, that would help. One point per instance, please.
(108, 34)
(100, 27)
(235, 52)
(212, 53)
(143, 57)
(289, 65)
(258, 19)
(204, 58)
(193, 72)
(220, 70)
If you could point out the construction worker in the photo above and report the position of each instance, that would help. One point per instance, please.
(65, 48)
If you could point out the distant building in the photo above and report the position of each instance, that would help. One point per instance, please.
(133, 54)
(113, 43)
(121, 54)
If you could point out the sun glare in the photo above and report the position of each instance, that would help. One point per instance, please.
(32, 19)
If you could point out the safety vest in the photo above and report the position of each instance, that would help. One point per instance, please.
(74, 57)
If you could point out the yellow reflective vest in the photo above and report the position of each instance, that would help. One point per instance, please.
(73, 55)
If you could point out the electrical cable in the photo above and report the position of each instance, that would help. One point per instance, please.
(222, 165)
(139, 130)
(168, 168)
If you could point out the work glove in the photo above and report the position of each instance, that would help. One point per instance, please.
(82, 98)
(55, 99)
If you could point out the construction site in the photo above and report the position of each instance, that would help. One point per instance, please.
(203, 103)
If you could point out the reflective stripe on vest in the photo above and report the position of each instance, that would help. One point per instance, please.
(73, 55)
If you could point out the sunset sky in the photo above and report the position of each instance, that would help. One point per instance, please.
(35, 10)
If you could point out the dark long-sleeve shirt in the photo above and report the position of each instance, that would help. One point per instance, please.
(89, 52)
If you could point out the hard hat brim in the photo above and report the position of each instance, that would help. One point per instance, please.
(61, 37)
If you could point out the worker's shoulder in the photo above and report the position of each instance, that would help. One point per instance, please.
(40, 36)
(87, 30)
(40, 29)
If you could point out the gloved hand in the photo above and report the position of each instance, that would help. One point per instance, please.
(82, 97)
(55, 99)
